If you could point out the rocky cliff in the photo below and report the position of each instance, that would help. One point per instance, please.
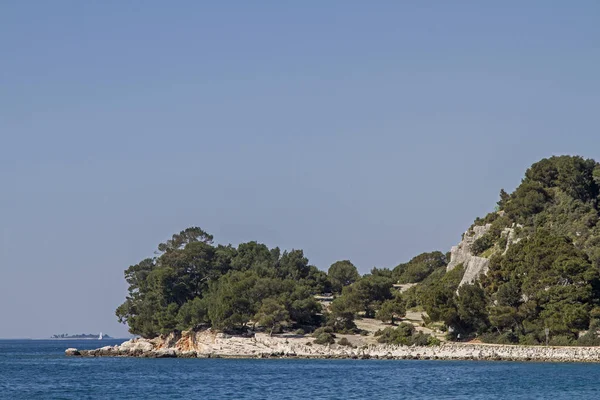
(476, 265)
(462, 254)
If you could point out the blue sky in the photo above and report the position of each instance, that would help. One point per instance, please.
(369, 131)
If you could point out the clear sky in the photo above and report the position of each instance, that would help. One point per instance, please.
(361, 130)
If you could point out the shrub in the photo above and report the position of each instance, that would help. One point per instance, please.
(504, 338)
(300, 332)
(405, 335)
(482, 244)
(503, 242)
(529, 340)
(561, 340)
(489, 337)
(590, 338)
(325, 338)
(433, 341)
(323, 329)
(420, 339)
(508, 338)
(344, 342)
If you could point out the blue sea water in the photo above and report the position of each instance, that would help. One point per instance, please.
(38, 369)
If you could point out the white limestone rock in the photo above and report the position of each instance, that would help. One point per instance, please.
(72, 352)
(462, 254)
(132, 345)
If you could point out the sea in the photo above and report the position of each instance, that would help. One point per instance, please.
(38, 369)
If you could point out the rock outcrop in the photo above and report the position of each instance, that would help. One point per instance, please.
(475, 265)
(72, 352)
(208, 344)
(462, 254)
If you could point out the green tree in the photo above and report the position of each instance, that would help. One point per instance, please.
(390, 309)
(272, 314)
(342, 273)
(471, 307)
(341, 316)
(180, 240)
(192, 314)
(367, 294)
(419, 267)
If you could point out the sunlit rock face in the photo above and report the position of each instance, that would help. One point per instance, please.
(462, 254)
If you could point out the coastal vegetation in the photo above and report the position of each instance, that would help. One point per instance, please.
(541, 243)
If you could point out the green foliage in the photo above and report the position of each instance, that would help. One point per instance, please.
(192, 314)
(561, 340)
(272, 314)
(321, 330)
(342, 312)
(324, 335)
(390, 309)
(482, 244)
(420, 267)
(471, 308)
(551, 278)
(190, 235)
(438, 297)
(590, 338)
(500, 338)
(365, 295)
(543, 280)
(341, 274)
(504, 198)
(191, 283)
(325, 338)
(344, 342)
(405, 334)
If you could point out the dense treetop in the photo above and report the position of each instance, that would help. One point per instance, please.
(193, 283)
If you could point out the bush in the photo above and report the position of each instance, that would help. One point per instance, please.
(349, 331)
(529, 340)
(488, 219)
(420, 339)
(508, 338)
(504, 338)
(300, 332)
(325, 338)
(405, 335)
(433, 341)
(323, 329)
(344, 342)
(482, 244)
(561, 340)
(503, 242)
(590, 338)
(489, 337)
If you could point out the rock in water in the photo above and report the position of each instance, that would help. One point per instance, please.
(72, 352)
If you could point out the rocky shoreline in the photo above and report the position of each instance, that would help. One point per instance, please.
(207, 344)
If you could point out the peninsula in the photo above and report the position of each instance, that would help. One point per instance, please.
(523, 283)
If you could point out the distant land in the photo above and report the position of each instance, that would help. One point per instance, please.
(81, 336)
